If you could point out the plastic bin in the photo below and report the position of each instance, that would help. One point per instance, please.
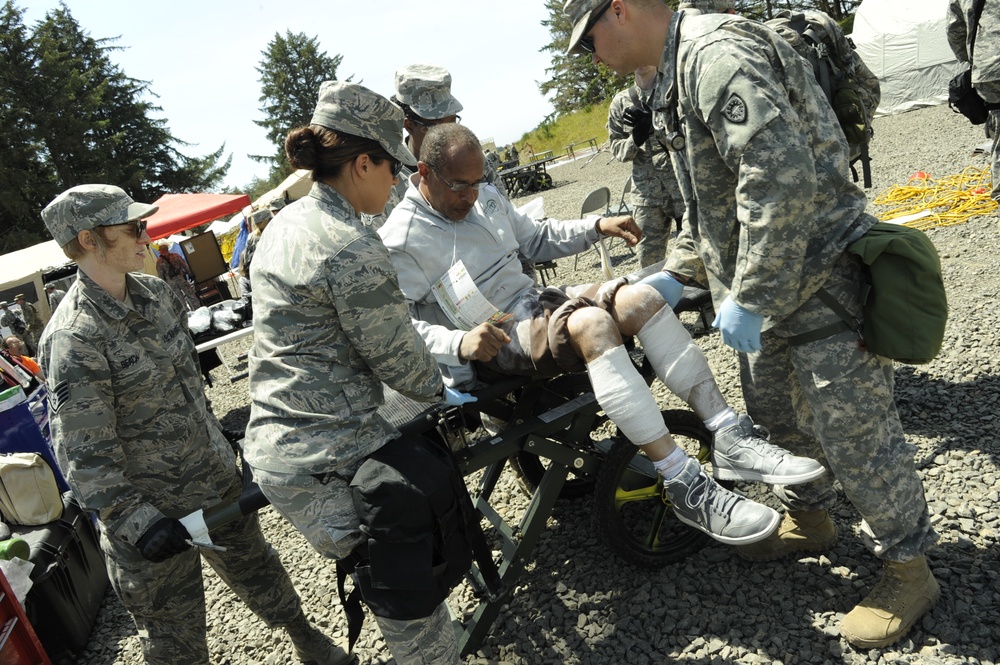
(68, 582)
(24, 428)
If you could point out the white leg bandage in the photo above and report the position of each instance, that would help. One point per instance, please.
(676, 359)
(624, 396)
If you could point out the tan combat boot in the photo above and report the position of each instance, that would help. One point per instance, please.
(905, 593)
(800, 531)
(312, 647)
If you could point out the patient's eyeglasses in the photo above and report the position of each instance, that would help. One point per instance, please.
(459, 186)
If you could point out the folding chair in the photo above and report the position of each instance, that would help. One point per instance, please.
(597, 200)
(623, 207)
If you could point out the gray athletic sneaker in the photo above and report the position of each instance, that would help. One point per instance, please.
(700, 502)
(742, 452)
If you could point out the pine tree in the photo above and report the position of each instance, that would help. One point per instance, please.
(291, 71)
(576, 81)
(69, 116)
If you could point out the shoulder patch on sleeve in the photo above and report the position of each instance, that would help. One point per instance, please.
(735, 109)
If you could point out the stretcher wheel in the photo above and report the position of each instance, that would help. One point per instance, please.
(630, 508)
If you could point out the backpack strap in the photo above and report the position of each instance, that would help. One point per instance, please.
(351, 602)
(847, 322)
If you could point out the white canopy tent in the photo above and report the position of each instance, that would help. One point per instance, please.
(906, 46)
(21, 272)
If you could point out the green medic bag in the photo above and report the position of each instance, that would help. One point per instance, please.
(905, 308)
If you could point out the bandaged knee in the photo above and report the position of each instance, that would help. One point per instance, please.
(625, 397)
(676, 359)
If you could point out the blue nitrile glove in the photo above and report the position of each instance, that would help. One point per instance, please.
(454, 397)
(669, 288)
(740, 327)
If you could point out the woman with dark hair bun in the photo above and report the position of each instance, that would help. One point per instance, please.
(330, 327)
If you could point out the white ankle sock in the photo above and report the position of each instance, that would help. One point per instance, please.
(724, 418)
(625, 397)
(672, 464)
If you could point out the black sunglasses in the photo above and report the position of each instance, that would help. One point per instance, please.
(416, 121)
(395, 166)
(587, 42)
(138, 227)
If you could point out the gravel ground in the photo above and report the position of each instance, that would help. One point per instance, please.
(577, 603)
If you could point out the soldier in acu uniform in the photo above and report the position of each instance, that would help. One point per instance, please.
(762, 164)
(139, 446)
(330, 327)
(655, 197)
(985, 63)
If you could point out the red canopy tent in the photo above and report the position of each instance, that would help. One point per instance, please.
(183, 211)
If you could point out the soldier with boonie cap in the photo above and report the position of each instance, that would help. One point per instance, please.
(330, 326)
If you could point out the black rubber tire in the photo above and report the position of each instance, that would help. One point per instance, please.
(629, 508)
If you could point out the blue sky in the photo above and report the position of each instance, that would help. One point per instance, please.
(201, 57)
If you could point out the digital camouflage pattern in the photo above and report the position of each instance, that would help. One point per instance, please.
(354, 109)
(985, 63)
(82, 208)
(770, 211)
(655, 196)
(776, 164)
(33, 323)
(11, 319)
(707, 6)
(426, 89)
(325, 516)
(330, 326)
(845, 416)
(136, 440)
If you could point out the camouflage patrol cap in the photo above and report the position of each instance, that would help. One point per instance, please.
(426, 89)
(354, 109)
(709, 6)
(580, 13)
(83, 207)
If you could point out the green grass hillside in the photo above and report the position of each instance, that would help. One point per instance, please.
(577, 127)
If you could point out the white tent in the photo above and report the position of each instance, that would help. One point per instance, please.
(906, 46)
(21, 271)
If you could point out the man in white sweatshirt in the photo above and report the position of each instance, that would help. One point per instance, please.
(452, 226)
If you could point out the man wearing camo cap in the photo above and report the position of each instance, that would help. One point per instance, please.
(139, 446)
(762, 161)
(55, 295)
(423, 91)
